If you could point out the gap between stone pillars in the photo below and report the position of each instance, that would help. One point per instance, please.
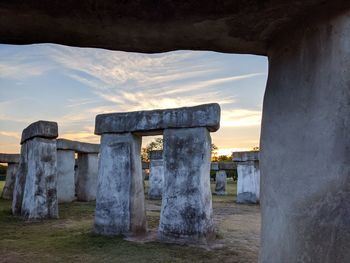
(65, 176)
(186, 212)
(120, 205)
(305, 142)
(7, 192)
(87, 176)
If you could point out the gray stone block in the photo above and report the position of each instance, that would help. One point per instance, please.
(9, 158)
(120, 207)
(214, 166)
(245, 156)
(87, 176)
(43, 129)
(227, 166)
(220, 187)
(79, 147)
(156, 155)
(248, 182)
(65, 176)
(186, 212)
(155, 121)
(156, 178)
(40, 192)
(7, 192)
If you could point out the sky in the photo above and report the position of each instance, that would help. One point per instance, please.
(72, 85)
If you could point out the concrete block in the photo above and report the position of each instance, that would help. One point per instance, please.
(120, 207)
(87, 176)
(186, 212)
(65, 176)
(248, 182)
(7, 191)
(221, 182)
(245, 156)
(155, 121)
(79, 147)
(156, 178)
(9, 158)
(43, 129)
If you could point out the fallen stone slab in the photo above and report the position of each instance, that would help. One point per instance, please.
(43, 129)
(80, 147)
(155, 121)
(9, 158)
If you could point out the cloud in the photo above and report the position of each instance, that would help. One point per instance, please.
(240, 118)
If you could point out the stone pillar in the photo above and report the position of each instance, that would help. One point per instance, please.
(186, 213)
(65, 176)
(120, 207)
(156, 176)
(221, 182)
(248, 182)
(7, 192)
(87, 176)
(35, 195)
(305, 142)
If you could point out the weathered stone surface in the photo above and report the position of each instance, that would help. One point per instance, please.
(80, 147)
(43, 129)
(227, 166)
(155, 121)
(40, 194)
(87, 176)
(145, 165)
(9, 158)
(65, 176)
(186, 213)
(120, 207)
(245, 156)
(248, 182)
(214, 166)
(238, 26)
(7, 191)
(21, 174)
(305, 164)
(220, 187)
(156, 176)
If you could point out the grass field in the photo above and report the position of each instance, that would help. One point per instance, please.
(70, 238)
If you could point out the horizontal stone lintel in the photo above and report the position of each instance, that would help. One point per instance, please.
(155, 121)
(43, 129)
(217, 166)
(245, 156)
(80, 147)
(9, 158)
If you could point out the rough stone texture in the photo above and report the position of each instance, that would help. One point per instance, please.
(156, 176)
(305, 164)
(43, 129)
(239, 26)
(154, 121)
(21, 174)
(87, 176)
(7, 191)
(40, 194)
(220, 187)
(145, 165)
(65, 176)
(227, 166)
(186, 214)
(248, 182)
(9, 158)
(214, 166)
(80, 147)
(245, 156)
(120, 207)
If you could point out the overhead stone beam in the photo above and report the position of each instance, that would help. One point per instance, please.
(80, 147)
(42, 129)
(9, 158)
(155, 121)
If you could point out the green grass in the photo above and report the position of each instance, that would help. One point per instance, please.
(2, 184)
(70, 239)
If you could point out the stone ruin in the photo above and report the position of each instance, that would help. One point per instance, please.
(186, 211)
(12, 161)
(35, 193)
(80, 184)
(156, 176)
(248, 181)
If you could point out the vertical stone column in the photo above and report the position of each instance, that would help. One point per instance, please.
(120, 207)
(11, 171)
(65, 176)
(156, 176)
(305, 142)
(87, 176)
(248, 182)
(221, 182)
(35, 195)
(186, 213)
